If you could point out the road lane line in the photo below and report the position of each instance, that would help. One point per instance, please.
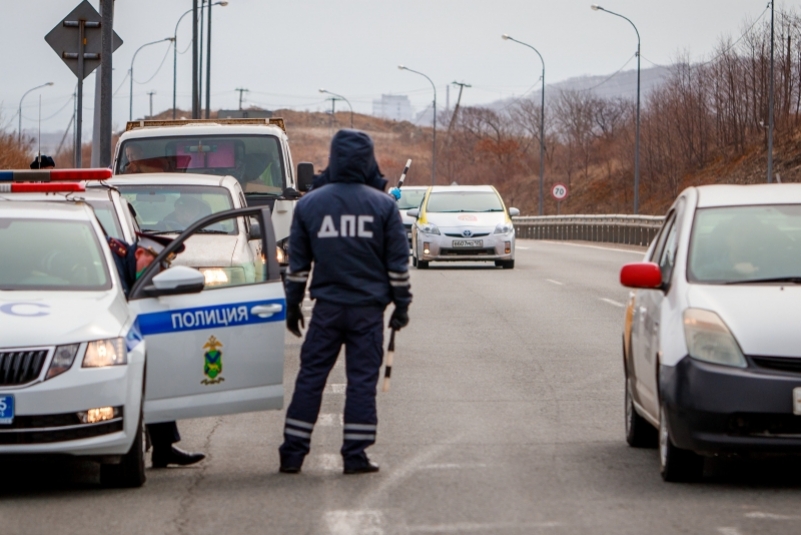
(329, 419)
(729, 531)
(365, 522)
(640, 253)
(522, 248)
(612, 302)
(452, 466)
(338, 388)
(460, 527)
(770, 516)
(555, 282)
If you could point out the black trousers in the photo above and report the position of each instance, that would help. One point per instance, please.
(163, 435)
(361, 330)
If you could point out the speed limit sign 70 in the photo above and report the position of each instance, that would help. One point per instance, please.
(559, 192)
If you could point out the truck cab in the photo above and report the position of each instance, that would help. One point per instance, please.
(254, 151)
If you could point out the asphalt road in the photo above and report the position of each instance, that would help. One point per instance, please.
(505, 416)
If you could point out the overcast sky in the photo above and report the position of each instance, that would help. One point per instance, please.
(283, 51)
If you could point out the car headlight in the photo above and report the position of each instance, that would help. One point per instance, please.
(102, 353)
(429, 228)
(504, 228)
(62, 360)
(710, 340)
(223, 276)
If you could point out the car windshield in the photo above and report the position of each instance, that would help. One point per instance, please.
(464, 201)
(107, 215)
(171, 209)
(51, 254)
(746, 244)
(410, 198)
(255, 161)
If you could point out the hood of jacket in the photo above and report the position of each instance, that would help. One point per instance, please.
(351, 160)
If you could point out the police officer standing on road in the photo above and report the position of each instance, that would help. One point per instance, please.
(352, 233)
(132, 261)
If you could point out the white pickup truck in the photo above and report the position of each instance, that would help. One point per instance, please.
(254, 151)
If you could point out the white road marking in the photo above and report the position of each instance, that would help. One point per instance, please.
(364, 522)
(329, 419)
(612, 302)
(452, 466)
(522, 248)
(330, 462)
(770, 516)
(474, 526)
(555, 282)
(729, 531)
(338, 388)
(640, 253)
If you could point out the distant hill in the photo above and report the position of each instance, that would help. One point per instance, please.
(622, 84)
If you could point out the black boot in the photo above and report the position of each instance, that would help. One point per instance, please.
(163, 457)
(362, 468)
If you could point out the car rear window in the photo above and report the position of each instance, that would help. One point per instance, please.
(51, 254)
(738, 244)
(464, 201)
(171, 209)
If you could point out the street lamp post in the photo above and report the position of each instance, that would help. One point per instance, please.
(19, 111)
(542, 123)
(434, 142)
(771, 100)
(131, 71)
(175, 57)
(596, 7)
(340, 97)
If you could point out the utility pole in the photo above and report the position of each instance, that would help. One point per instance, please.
(150, 94)
(195, 100)
(208, 66)
(105, 73)
(771, 104)
(241, 90)
(200, 62)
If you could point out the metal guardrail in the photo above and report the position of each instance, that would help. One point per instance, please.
(625, 229)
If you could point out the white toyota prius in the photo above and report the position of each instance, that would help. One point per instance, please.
(82, 368)
(712, 345)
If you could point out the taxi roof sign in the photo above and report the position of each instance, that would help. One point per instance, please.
(274, 121)
(50, 175)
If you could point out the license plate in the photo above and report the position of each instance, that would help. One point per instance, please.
(6, 409)
(797, 400)
(468, 243)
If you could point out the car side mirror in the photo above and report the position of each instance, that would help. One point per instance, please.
(514, 212)
(291, 194)
(255, 230)
(177, 280)
(305, 176)
(414, 212)
(646, 275)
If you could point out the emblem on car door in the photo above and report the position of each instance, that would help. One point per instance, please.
(212, 365)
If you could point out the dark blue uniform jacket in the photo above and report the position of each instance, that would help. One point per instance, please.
(351, 232)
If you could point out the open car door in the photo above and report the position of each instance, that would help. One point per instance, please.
(213, 349)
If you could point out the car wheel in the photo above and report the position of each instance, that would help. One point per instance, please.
(505, 264)
(422, 264)
(639, 433)
(676, 465)
(130, 472)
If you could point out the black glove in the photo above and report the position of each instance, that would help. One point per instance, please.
(400, 318)
(294, 316)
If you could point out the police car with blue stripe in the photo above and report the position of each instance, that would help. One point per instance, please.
(75, 354)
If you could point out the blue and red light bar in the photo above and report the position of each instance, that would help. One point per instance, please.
(41, 187)
(51, 175)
